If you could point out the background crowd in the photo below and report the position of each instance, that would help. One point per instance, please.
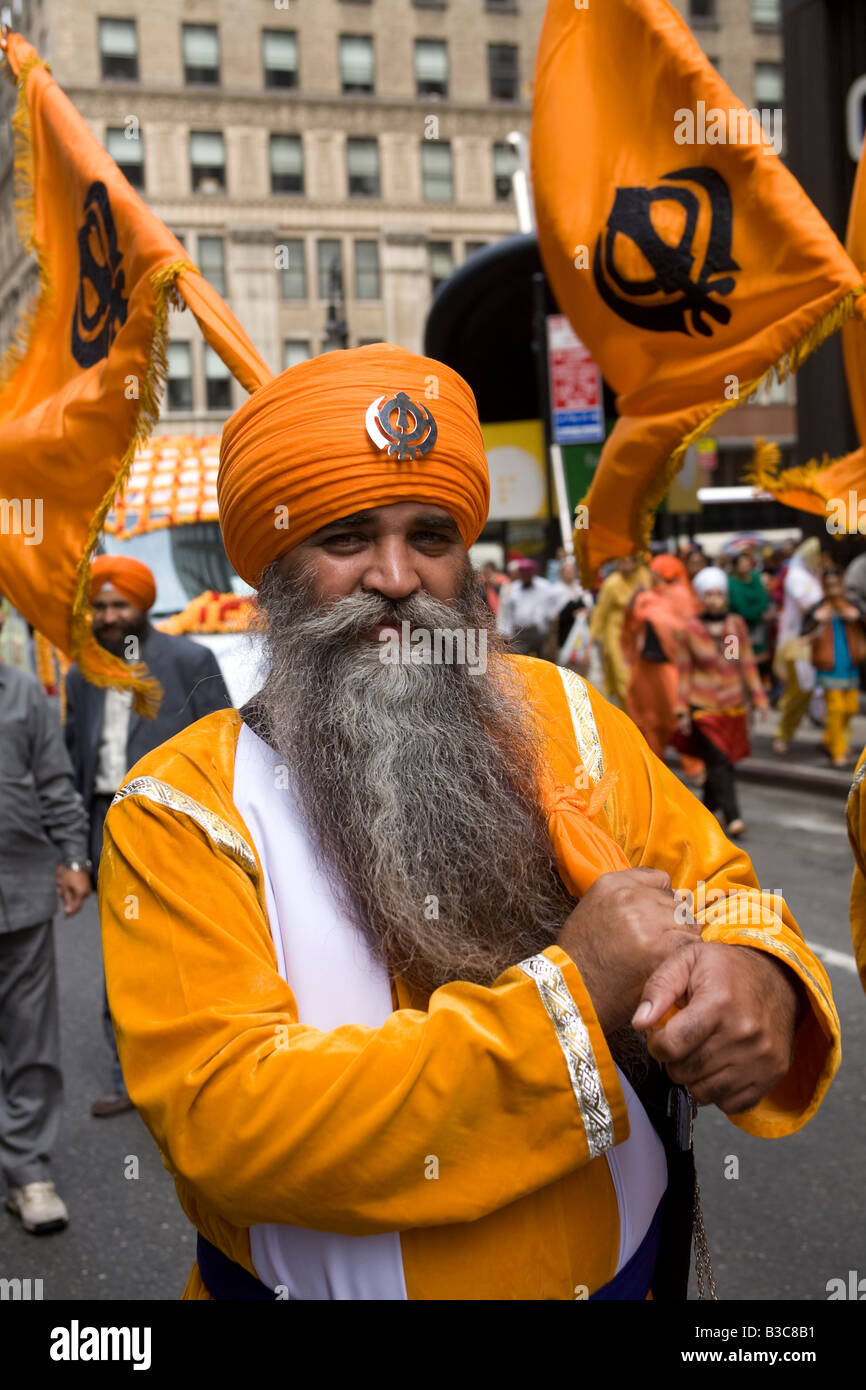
(694, 649)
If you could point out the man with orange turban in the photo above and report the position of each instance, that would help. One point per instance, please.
(405, 947)
(105, 736)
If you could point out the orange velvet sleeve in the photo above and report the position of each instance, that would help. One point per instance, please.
(659, 823)
(271, 1120)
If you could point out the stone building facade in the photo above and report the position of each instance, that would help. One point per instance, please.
(317, 157)
(320, 159)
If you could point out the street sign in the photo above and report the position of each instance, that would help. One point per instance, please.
(576, 398)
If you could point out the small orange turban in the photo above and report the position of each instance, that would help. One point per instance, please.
(323, 440)
(130, 577)
(669, 567)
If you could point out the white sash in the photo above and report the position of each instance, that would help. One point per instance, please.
(335, 980)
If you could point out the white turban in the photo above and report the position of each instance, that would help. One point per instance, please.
(710, 578)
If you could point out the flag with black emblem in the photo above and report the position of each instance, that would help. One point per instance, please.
(686, 256)
(80, 384)
(832, 488)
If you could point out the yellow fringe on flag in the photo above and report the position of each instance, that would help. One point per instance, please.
(25, 223)
(763, 472)
(790, 362)
(852, 303)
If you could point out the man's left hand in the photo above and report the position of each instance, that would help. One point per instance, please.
(733, 1040)
(73, 885)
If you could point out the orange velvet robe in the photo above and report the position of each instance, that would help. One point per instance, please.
(261, 1118)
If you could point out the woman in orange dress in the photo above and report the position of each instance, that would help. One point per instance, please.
(654, 620)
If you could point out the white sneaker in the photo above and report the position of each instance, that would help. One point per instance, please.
(38, 1206)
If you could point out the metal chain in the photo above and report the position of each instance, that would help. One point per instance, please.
(703, 1262)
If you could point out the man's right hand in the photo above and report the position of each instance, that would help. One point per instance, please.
(620, 931)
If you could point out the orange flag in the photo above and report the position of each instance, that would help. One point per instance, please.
(833, 488)
(80, 386)
(687, 258)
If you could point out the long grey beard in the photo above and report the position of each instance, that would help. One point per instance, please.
(418, 783)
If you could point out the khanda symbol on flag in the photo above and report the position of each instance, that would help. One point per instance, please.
(683, 278)
(80, 384)
(100, 305)
(672, 265)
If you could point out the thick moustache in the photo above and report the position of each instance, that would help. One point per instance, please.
(731, 1040)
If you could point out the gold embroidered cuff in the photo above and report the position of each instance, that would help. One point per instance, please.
(574, 1039)
(218, 831)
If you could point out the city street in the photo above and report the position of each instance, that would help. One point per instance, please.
(791, 1220)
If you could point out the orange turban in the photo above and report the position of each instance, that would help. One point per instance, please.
(328, 438)
(130, 577)
(669, 567)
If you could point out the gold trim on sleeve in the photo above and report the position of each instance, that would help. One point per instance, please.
(779, 948)
(583, 721)
(218, 831)
(573, 1036)
(858, 778)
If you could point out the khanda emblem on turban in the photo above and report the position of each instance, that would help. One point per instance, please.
(410, 436)
(100, 306)
(661, 301)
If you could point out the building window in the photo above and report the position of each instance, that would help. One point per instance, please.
(292, 264)
(437, 175)
(362, 166)
(287, 164)
(766, 14)
(295, 350)
(201, 54)
(329, 259)
(118, 49)
(702, 11)
(356, 63)
(504, 164)
(212, 261)
(769, 84)
(207, 159)
(501, 6)
(431, 67)
(470, 247)
(441, 255)
(217, 381)
(774, 392)
(127, 153)
(280, 49)
(179, 382)
(367, 280)
(502, 69)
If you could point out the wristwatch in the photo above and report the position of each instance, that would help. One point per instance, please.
(78, 866)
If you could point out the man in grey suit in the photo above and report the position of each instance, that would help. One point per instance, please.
(105, 737)
(41, 820)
